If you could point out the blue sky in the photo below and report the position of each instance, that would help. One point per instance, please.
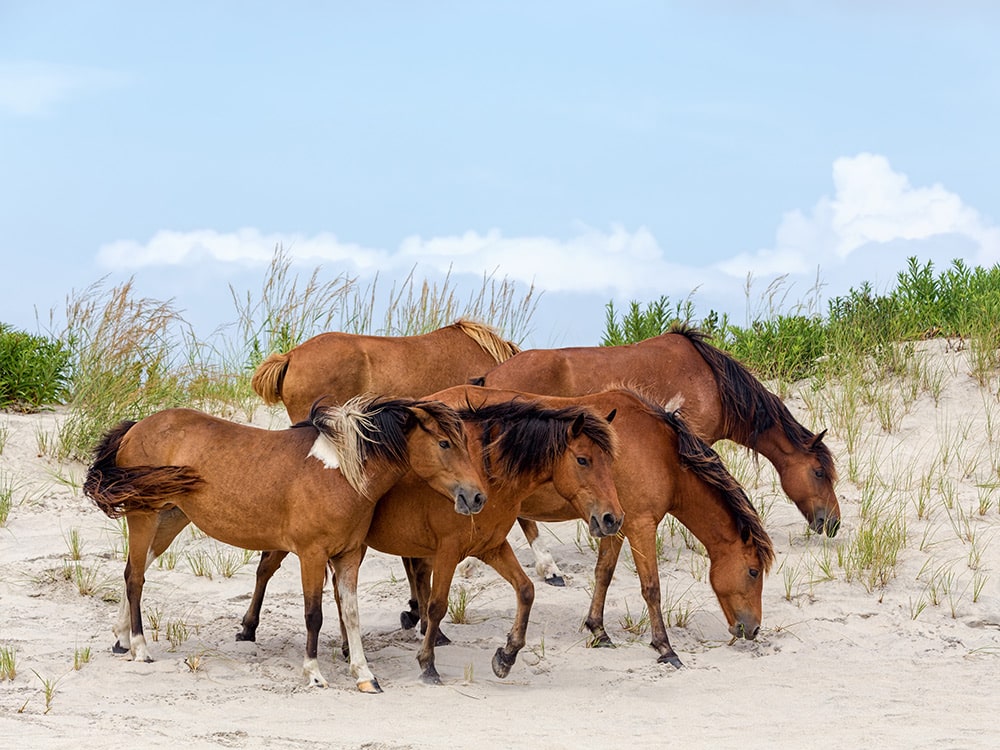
(602, 151)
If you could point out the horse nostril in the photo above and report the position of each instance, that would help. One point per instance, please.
(610, 522)
(753, 635)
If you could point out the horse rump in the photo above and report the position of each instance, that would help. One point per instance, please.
(119, 490)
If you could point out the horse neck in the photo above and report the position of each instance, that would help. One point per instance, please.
(382, 477)
(774, 445)
(701, 508)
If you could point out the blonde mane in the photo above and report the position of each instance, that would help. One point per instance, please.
(500, 349)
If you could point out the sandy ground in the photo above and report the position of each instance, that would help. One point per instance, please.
(913, 664)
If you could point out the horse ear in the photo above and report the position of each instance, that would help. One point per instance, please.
(745, 533)
(611, 416)
(410, 420)
(817, 440)
(577, 427)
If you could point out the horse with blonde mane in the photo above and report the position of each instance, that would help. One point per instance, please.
(339, 366)
(310, 489)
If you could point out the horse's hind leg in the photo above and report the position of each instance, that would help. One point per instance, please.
(505, 563)
(313, 571)
(169, 524)
(545, 563)
(437, 605)
(346, 582)
(418, 571)
(607, 559)
(269, 563)
(141, 529)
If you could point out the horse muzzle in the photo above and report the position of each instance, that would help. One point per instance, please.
(605, 524)
(823, 524)
(469, 501)
(745, 627)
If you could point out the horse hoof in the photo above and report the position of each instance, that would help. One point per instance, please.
(671, 659)
(430, 677)
(369, 686)
(118, 648)
(555, 580)
(442, 640)
(408, 620)
(245, 636)
(501, 667)
(602, 641)
(318, 682)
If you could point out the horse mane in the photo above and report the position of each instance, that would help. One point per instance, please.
(522, 438)
(698, 456)
(488, 339)
(748, 408)
(370, 428)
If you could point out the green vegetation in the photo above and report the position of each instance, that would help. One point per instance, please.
(33, 370)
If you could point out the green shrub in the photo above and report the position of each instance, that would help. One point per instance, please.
(33, 370)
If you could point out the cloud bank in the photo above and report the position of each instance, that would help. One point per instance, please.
(873, 215)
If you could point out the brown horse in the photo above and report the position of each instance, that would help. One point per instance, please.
(338, 366)
(663, 467)
(277, 490)
(720, 399)
(523, 442)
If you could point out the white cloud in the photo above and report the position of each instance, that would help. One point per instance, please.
(864, 232)
(872, 206)
(34, 88)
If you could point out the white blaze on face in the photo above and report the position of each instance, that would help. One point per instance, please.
(325, 451)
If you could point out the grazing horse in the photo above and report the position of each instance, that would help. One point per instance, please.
(720, 398)
(663, 467)
(338, 366)
(309, 489)
(524, 442)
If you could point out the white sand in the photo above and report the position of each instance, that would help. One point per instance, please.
(835, 665)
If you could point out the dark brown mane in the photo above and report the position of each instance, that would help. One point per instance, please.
(698, 456)
(522, 438)
(748, 408)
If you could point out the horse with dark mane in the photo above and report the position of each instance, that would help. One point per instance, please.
(718, 397)
(663, 467)
(338, 366)
(520, 442)
(310, 489)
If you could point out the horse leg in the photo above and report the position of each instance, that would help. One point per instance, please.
(408, 619)
(169, 524)
(270, 561)
(346, 587)
(504, 562)
(141, 529)
(545, 563)
(643, 543)
(437, 605)
(418, 571)
(313, 566)
(607, 559)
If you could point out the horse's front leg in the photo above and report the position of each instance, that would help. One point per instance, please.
(642, 539)
(169, 524)
(545, 563)
(270, 561)
(505, 563)
(418, 571)
(313, 570)
(437, 604)
(346, 580)
(141, 529)
(607, 559)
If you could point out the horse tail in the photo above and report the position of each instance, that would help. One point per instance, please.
(748, 408)
(269, 378)
(119, 490)
(488, 339)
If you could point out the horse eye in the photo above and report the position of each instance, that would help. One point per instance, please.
(444, 444)
(582, 461)
(754, 573)
(819, 473)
